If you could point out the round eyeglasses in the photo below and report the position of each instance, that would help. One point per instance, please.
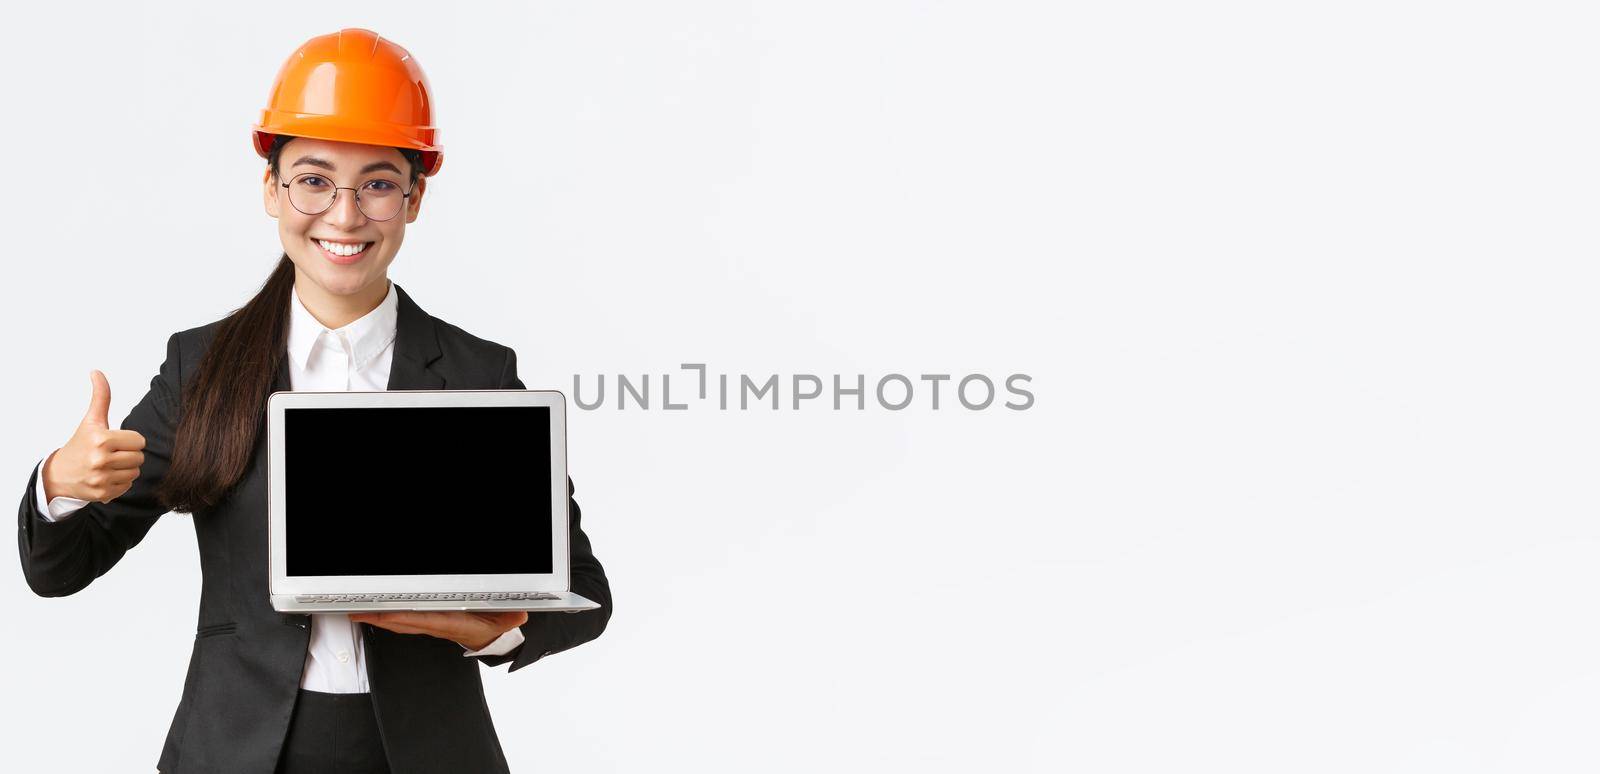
(313, 193)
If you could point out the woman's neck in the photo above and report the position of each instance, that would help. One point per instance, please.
(336, 311)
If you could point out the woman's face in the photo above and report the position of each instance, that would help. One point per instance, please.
(341, 250)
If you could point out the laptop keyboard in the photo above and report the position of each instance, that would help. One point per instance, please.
(465, 596)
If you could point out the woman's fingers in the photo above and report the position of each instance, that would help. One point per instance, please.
(449, 625)
(395, 626)
(120, 440)
(423, 618)
(124, 460)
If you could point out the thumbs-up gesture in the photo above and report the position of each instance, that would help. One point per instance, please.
(97, 463)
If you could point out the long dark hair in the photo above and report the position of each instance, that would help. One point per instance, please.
(225, 399)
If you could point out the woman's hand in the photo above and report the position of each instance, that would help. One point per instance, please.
(98, 463)
(473, 631)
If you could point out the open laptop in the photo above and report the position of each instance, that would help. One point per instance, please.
(418, 500)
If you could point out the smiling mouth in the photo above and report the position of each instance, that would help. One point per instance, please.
(343, 249)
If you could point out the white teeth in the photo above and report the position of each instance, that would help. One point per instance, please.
(339, 248)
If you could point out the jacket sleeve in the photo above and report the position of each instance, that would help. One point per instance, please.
(548, 633)
(62, 557)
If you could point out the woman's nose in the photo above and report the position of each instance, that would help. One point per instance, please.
(344, 214)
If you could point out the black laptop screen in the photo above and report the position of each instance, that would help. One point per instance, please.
(417, 491)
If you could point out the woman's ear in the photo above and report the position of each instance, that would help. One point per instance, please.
(269, 193)
(414, 202)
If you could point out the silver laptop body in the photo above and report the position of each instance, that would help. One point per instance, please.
(418, 500)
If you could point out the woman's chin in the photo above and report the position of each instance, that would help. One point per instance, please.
(338, 282)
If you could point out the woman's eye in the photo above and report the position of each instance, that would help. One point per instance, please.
(382, 186)
(312, 181)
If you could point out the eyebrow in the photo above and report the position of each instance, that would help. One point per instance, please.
(328, 165)
(313, 161)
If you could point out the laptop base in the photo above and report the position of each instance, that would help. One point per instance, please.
(534, 602)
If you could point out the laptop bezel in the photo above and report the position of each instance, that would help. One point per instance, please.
(280, 582)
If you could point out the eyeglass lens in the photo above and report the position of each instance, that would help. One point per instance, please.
(313, 194)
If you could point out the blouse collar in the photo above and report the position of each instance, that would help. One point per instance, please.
(368, 335)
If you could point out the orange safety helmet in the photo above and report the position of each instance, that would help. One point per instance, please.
(352, 86)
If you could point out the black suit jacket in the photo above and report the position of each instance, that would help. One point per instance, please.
(246, 664)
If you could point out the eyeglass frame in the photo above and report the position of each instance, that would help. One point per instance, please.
(335, 198)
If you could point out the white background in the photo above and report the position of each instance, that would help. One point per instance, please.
(1305, 290)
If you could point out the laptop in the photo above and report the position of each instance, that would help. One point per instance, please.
(418, 500)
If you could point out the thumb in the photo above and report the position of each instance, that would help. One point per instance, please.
(99, 401)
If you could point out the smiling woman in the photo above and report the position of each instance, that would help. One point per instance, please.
(289, 693)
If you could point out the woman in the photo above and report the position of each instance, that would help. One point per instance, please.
(349, 143)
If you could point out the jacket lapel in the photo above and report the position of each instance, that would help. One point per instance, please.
(416, 347)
